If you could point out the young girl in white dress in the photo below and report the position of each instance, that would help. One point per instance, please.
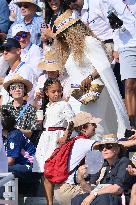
(58, 114)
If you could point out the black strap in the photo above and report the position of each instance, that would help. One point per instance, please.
(82, 162)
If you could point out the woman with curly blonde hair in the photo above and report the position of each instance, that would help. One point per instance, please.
(86, 62)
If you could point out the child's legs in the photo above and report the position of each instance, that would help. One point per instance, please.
(49, 191)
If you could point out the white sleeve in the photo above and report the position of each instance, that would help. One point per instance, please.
(97, 54)
(68, 112)
(116, 40)
(36, 56)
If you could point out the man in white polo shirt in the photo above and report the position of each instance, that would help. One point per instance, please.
(30, 52)
(11, 53)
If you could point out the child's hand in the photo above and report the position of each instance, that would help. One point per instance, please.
(131, 170)
(61, 140)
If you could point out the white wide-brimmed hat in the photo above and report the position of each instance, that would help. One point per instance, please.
(84, 117)
(18, 28)
(18, 79)
(18, 2)
(50, 63)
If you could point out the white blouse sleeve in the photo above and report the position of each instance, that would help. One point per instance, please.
(96, 54)
(68, 112)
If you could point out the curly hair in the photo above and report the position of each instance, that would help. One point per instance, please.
(72, 39)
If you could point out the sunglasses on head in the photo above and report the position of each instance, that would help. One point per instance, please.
(22, 35)
(106, 146)
(15, 86)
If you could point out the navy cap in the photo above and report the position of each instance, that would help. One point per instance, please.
(11, 43)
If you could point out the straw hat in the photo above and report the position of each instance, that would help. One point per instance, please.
(83, 118)
(18, 2)
(64, 21)
(50, 63)
(106, 139)
(18, 79)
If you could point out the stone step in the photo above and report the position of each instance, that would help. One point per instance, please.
(34, 201)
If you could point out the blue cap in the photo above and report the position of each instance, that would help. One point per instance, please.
(11, 43)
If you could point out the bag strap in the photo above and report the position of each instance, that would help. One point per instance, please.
(102, 174)
(76, 168)
(22, 111)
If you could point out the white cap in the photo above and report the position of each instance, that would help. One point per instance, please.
(18, 28)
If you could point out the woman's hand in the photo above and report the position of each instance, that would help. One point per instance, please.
(131, 170)
(39, 95)
(82, 171)
(47, 33)
(116, 56)
(86, 84)
(133, 137)
(88, 200)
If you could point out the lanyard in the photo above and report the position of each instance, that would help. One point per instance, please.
(19, 66)
(30, 46)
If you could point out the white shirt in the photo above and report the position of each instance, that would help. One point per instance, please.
(27, 73)
(125, 37)
(79, 150)
(58, 114)
(94, 14)
(32, 54)
(3, 66)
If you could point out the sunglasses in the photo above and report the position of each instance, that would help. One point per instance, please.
(106, 146)
(15, 86)
(25, 5)
(71, 1)
(23, 35)
(94, 125)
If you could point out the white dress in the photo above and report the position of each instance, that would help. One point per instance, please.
(109, 106)
(57, 114)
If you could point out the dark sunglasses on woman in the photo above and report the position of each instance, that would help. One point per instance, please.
(22, 35)
(106, 146)
(25, 5)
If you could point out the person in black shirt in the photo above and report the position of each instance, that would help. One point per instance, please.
(53, 9)
(113, 179)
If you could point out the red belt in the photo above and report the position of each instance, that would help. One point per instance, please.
(54, 128)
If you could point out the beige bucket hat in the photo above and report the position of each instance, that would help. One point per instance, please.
(50, 63)
(18, 2)
(18, 79)
(84, 117)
